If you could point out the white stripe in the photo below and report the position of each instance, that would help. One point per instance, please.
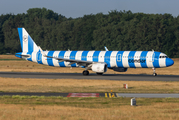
(101, 56)
(149, 59)
(137, 57)
(125, 59)
(44, 59)
(55, 61)
(78, 56)
(162, 61)
(90, 55)
(34, 56)
(113, 59)
(67, 55)
(35, 47)
(25, 40)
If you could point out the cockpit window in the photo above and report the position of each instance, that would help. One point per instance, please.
(163, 57)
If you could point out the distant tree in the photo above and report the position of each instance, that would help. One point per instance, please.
(118, 30)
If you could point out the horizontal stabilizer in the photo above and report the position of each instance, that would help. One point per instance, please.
(22, 56)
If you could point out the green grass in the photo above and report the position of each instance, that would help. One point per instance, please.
(88, 102)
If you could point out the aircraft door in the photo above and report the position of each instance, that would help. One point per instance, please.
(119, 58)
(153, 57)
(39, 58)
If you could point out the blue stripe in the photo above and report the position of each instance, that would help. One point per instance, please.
(20, 36)
(107, 58)
(131, 59)
(30, 44)
(84, 55)
(96, 56)
(29, 53)
(119, 61)
(72, 56)
(61, 55)
(156, 60)
(49, 60)
(39, 57)
(143, 59)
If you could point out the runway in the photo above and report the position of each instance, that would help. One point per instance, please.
(147, 95)
(125, 77)
(109, 95)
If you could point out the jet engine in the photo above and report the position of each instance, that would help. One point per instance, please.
(120, 69)
(99, 67)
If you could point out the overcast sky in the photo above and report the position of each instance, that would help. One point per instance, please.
(79, 8)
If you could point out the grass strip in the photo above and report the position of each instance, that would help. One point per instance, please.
(87, 102)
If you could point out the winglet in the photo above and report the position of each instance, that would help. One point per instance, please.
(42, 51)
(106, 48)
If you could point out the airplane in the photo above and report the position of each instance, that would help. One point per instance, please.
(97, 61)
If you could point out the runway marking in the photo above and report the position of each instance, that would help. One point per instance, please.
(106, 94)
(83, 95)
(113, 95)
(110, 95)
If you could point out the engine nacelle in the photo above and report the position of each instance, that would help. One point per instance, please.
(99, 67)
(120, 69)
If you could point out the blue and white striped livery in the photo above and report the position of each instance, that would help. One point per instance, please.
(97, 61)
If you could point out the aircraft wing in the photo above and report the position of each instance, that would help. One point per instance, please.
(72, 61)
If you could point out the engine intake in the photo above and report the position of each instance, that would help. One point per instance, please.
(99, 67)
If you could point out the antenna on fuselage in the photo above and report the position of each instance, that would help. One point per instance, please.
(106, 48)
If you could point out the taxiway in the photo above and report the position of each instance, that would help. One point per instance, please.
(110, 95)
(124, 77)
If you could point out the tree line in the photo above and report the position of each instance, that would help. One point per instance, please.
(118, 30)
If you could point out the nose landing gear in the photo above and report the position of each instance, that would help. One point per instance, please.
(154, 74)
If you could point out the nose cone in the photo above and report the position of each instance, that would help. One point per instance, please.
(169, 62)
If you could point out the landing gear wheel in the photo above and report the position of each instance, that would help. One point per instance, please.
(85, 72)
(99, 73)
(155, 74)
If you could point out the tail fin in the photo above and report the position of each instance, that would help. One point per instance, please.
(27, 43)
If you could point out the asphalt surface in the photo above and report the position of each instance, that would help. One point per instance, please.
(53, 94)
(126, 77)
(147, 95)
(110, 95)
(33, 94)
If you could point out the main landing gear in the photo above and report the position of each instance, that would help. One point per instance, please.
(154, 74)
(85, 72)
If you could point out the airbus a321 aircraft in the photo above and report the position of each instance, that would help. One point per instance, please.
(97, 61)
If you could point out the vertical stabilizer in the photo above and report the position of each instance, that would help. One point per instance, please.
(27, 43)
